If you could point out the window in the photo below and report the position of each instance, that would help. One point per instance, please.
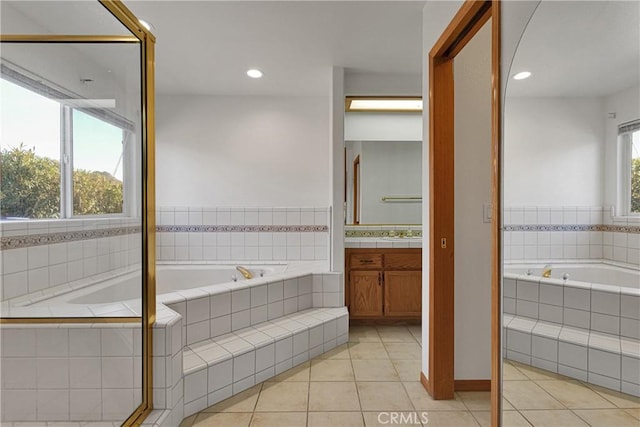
(58, 160)
(629, 134)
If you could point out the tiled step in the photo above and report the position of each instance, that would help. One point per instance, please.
(603, 359)
(215, 369)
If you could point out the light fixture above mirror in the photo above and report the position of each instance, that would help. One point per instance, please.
(384, 104)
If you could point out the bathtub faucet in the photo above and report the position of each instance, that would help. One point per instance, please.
(546, 271)
(246, 273)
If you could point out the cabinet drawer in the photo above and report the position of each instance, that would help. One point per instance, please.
(403, 261)
(368, 261)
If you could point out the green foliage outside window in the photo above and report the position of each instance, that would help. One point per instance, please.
(30, 187)
(635, 185)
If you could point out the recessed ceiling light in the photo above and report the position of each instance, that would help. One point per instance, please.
(521, 76)
(145, 24)
(254, 73)
(384, 104)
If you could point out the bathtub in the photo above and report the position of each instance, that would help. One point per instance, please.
(586, 326)
(170, 278)
(588, 273)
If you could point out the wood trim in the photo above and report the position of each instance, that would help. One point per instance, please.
(496, 219)
(465, 24)
(441, 270)
(472, 385)
(425, 382)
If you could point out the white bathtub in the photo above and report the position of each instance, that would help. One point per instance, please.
(599, 273)
(169, 278)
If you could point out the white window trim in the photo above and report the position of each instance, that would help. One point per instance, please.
(624, 174)
(130, 182)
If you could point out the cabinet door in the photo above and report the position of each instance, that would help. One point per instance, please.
(403, 293)
(365, 299)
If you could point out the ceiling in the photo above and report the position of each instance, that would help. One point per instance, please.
(206, 47)
(584, 48)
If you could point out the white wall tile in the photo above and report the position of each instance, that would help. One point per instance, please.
(604, 363)
(527, 290)
(577, 298)
(240, 319)
(544, 348)
(19, 405)
(572, 355)
(85, 405)
(85, 373)
(195, 385)
(18, 373)
(244, 366)
(605, 323)
(198, 310)
(630, 306)
(53, 405)
(220, 325)
(117, 372)
(265, 357)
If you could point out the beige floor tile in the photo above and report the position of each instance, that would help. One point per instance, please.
(222, 419)
(482, 417)
(607, 417)
(283, 396)
(395, 334)
(506, 406)
(383, 396)
(409, 370)
(510, 372)
(451, 418)
(187, 422)
(374, 370)
(340, 352)
(241, 402)
(635, 412)
(422, 401)
(404, 418)
(476, 400)
(514, 419)
(342, 419)
(367, 350)
(331, 370)
(363, 334)
(621, 400)
(404, 350)
(279, 419)
(528, 395)
(537, 374)
(574, 395)
(333, 396)
(299, 373)
(546, 418)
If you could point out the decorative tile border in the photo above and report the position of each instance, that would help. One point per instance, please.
(27, 241)
(379, 233)
(575, 227)
(241, 228)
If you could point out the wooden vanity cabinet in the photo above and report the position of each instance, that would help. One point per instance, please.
(384, 284)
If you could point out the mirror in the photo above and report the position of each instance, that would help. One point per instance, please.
(383, 168)
(570, 234)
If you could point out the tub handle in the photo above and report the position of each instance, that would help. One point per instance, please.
(565, 276)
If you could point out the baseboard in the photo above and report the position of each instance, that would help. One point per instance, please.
(425, 382)
(472, 385)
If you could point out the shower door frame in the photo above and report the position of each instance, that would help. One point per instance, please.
(146, 40)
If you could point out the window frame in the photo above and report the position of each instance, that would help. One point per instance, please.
(625, 140)
(49, 90)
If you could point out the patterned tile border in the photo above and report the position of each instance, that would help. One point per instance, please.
(579, 227)
(379, 233)
(241, 228)
(26, 241)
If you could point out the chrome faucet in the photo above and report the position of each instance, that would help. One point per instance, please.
(546, 271)
(246, 273)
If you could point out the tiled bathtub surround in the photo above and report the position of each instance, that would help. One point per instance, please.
(70, 372)
(586, 331)
(42, 254)
(242, 234)
(562, 233)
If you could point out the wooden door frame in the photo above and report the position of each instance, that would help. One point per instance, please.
(468, 20)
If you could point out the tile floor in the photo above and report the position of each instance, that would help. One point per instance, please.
(377, 372)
